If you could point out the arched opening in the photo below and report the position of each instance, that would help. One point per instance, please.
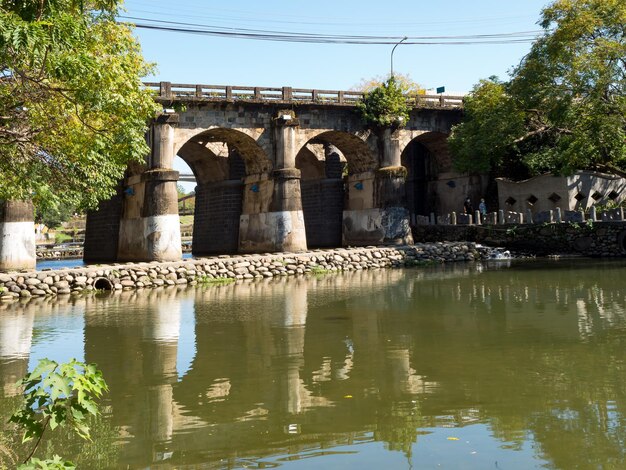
(324, 163)
(426, 158)
(186, 189)
(220, 159)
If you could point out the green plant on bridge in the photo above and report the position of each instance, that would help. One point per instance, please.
(385, 106)
(57, 395)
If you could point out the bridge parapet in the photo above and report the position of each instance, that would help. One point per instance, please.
(167, 92)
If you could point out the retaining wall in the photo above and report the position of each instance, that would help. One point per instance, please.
(23, 286)
(606, 239)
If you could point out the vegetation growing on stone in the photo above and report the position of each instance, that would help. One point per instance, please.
(384, 106)
(214, 281)
(564, 107)
(393, 171)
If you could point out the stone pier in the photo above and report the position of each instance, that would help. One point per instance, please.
(376, 212)
(17, 232)
(150, 225)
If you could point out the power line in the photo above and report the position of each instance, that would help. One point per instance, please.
(195, 11)
(312, 38)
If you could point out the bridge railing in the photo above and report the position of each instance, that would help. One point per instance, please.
(167, 92)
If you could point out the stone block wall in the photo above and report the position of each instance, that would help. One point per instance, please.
(102, 230)
(216, 222)
(604, 239)
(322, 204)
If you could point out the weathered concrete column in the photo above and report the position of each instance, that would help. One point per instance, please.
(17, 232)
(285, 125)
(162, 141)
(150, 225)
(376, 212)
(392, 153)
(272, 218)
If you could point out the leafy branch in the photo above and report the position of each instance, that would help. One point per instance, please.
(57, 395)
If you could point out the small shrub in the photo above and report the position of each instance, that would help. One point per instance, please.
(385, 106)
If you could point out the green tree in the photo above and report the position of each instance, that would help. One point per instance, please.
(564, 107)
(384, 106)
(73, 113)
(53, 215)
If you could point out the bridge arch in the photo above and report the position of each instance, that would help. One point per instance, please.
(356, 150)
(325, 160)
(433, 186)
(425, 157)
(252, 153)
(219, 159)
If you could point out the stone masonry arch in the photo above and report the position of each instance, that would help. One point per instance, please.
(322, 186)
(247, 140)
(425, 157)
(433, 185)
(253, 153)
(220, 159)
(357, 148)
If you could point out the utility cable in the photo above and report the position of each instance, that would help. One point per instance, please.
(289, 36)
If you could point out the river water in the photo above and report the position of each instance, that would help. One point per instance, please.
(512, 365)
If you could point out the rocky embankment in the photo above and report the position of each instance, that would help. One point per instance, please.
(15, 286)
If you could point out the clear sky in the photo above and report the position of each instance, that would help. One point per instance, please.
(191, 58)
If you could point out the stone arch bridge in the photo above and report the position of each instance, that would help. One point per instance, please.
(278, 169)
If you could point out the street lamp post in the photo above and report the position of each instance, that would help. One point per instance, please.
(392, 51)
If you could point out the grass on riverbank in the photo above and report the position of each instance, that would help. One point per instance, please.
(214, 281)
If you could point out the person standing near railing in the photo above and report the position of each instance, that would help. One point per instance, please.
(468, 207)
(482, 208)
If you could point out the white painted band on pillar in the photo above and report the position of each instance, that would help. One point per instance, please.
(17, 246)
(155, 238)
(167, 244)
(272, 232)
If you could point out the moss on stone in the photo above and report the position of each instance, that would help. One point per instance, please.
(392, 172)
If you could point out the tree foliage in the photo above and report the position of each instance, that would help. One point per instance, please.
(72, 110)
(52, 215)
(384, 106)
(564, 107)
(404, 81)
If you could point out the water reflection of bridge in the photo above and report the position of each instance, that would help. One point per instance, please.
(274, 365)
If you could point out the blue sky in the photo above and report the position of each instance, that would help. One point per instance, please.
(186, 58)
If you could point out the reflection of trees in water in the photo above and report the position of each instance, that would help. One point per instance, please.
(286, 366)
(398, 425)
